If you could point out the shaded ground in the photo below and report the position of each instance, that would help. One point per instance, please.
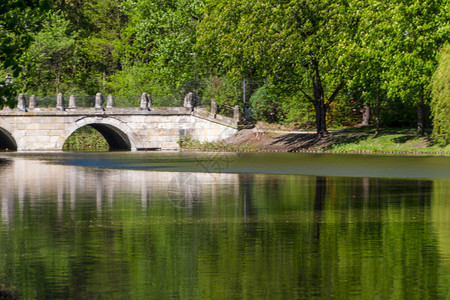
(352, 139)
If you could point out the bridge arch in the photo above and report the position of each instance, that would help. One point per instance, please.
(7, 142)
(117, 134)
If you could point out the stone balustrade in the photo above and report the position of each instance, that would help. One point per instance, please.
(146, 104)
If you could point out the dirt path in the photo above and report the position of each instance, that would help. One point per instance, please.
(276, 140)
(297, 141)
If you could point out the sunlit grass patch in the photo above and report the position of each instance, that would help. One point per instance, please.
(400, 142)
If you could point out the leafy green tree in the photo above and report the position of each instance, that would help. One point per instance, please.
(51, 57)
(440, 103)
(417, 30)
(370, 81)
(17, 19)
(266, 106)
(161, 34)
(225, 92)
(100, 34)
(134, 80)
(303, 46)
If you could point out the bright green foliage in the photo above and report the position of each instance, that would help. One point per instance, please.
(297, 113)
(162, 34)
(51, 57)
(100, 31)
(416, 33)
(303, 46)
(370, 81)
(440, 103)
(226, 93)
(87, 139)
(17, 19)
(265, 105)
(134, 80)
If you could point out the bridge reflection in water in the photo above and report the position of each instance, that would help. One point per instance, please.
(38, 181)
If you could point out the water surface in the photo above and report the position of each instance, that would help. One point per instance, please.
(224, 226)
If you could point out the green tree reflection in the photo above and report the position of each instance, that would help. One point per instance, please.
(268, 237)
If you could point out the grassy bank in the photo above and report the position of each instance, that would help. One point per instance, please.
(188, 143)
(353, 140)
(388, 140)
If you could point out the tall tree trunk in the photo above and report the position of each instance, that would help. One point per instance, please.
(57, 82)
(377, 118)
(420, 115)
(320, 105)
(321, 122)
(103, 81)
(366, 114)
(319, 101)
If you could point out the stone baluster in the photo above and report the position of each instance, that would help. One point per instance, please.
(21, 103)
(32, 104)
(237, 113)
(188, 101)
(144, 101)
(72, 102)
(213, 107)
(99, 102)
(60, 102)
(110, 101)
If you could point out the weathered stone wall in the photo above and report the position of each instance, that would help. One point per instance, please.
(46, 129)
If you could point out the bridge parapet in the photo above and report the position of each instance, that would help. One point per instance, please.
(144, 101)
(126, 128)
(203, 113)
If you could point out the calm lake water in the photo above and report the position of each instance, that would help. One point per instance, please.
(224, 226)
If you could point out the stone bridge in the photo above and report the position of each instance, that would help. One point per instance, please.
(132, 128)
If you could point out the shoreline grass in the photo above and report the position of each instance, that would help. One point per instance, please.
(348, 140)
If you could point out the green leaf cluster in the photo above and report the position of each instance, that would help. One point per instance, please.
(440, 87)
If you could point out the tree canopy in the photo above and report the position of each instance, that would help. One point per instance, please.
(440, 85)
(324, 56)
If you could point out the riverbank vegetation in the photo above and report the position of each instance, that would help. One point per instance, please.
(346, 140)
(86, 139)
(302, 64)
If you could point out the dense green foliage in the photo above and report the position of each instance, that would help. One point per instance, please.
(324, 60)
(441, 96)
(86, 139)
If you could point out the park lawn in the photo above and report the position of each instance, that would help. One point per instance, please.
(389, 140)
